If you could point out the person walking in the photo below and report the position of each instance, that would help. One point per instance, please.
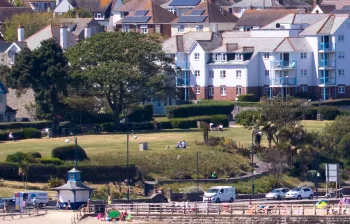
(58, 204)
(5, 205)
(34, 205)
(24, 206)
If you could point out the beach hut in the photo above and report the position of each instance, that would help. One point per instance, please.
(74, 190)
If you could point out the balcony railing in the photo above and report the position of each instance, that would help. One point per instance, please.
(326, 63)
(283, 81)
(183, 64)
(181, 82)
(326, 46)
(327, 81)
(284, 64)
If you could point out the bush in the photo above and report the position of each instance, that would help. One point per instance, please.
(108, 127)
(220, 119)
(180, 176)
(200, 109)
(4, 134)
(141, 113)
(36, 155)
(339, 102)
(247, 98)
(31, 133)
(165, 124)
(191, 122)
(9, 171)
(18, 157)
(55, 182)
(309, 113)
(21, 125)
(68, 153)
(54, 161)
(247, 117)
(329, 112)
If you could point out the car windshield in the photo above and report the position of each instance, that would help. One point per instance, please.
(276, 191)
(213, 190)
(296, 189)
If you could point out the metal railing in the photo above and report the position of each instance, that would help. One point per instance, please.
(327, 81)
(181, 82)
(183, 64)
(327, 46)
(326, 63)
(27, 212)
(283, 64)
(229, 208)
(78, 214)
(283, 81)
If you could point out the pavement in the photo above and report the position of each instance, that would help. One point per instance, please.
(52, 217)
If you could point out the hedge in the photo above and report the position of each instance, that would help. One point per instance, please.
(9, 171)
(54, 161)
(309, 113)
(328, 112)
(31, 133)
(17, 133)
(110, 127)
(339, 102)
(200, 109)
(141, 113)
(20, 125)
(247, 97)
(68, 153)
(191, 122)
(247, 117)
(18, 157)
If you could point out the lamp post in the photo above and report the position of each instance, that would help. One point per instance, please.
(197, 176)
(75, 150)
(127, 164)
(286, 79)
(254, 133)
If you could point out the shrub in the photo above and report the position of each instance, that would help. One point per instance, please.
(54, 161)
(9, 170)
(247, 117)
(55, 182)
(108, 127)
(309, 113)
(220, 119)
(190, 122)
(18, 157)
(20, 125)
(180, 176)
(165, 124)
(36, 155)
(68, 153)
(247, 97)
(329, 112)
(141, 113)
(31, 133)
(200, 109)
(4, 134)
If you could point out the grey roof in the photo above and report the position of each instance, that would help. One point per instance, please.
(134, 5)
(337, 3)
(77, 25)
(328, 25)
(73, 186)
(272, 3)
(297, 19)
(92, 5)
(293, 45)
(4, 46)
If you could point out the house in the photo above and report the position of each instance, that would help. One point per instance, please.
(305, 55)
(239, 7)
(40, 5)
(180, 7)
(99, 9)
(3, 54)
(206, 16)
(151, 19)
(7, 114)
(7, 12)
(337, 4)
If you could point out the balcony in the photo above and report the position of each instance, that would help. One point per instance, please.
(326, 46)
(324, 81)
(326, 64)
(283, 65)
(181, 82)
(184, 65)
(283, 81)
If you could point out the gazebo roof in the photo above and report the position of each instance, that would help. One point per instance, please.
(77, 186)
(74, 170)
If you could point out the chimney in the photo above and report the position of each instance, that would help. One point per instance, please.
(87, 31)
(63, 36)
(20, 33)
(314, 3)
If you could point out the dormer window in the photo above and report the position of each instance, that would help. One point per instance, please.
(220, 57)
(98, 15)
(239, 57)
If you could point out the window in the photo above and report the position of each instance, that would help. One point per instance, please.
(219, 57)
(303, 89)
(303, 55)
(266, 90)
(341, 72)
(222, 74)
(341, 55)
(173, 11)
(197, 73)
(126, 28)
(238, 74)
(238, 90)
(196, 56)
(211, 74)
(180, 28)
(341, 89)
(121, 14)
(223, 90)
(211, 91)
(266, 55)
(98, 15)
(303, 72)
(12, 57)
(340, 37)
(267, 72)
(238, 57)
(199, 28)
(197, 90)
(143, 29)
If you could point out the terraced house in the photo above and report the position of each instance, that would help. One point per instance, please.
(298, 54)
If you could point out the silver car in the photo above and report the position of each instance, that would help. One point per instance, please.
(277, 194)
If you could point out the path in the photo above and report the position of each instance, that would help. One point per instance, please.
(52, 217)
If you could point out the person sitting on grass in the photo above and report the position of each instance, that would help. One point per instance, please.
(11, 137)
(179, 144)
(213, 175)
(184, 144)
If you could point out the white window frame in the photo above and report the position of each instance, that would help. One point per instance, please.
(144, 29)
(303, 88)
(121, 14)
(267, 73)
(223, 90)
(303, 55)
(239, 57)
(180, 28)
(341, 89)
(126, 28)
(197, 73)
(199, 28)
(238, 90)
(211, 91)
(222, 74)
(98, 15)
(341, 55)
(266, 90)
(341, 38)
(197, 90)
(211, 74)
(238, 74)
(303, 72)
(173, 11)
(196, 56)
(341, 72)
(266, 56)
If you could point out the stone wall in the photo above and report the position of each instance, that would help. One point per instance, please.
(227, 219)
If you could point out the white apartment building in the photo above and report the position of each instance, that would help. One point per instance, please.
(289, 56)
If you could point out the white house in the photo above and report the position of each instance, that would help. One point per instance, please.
(7, 114)
(40, 5)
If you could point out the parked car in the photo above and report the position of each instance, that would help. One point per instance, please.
(300, 193)
(9, 202)
(219, 194)
(277, 194)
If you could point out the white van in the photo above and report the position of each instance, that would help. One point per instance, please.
(219, 194)
(42, 197)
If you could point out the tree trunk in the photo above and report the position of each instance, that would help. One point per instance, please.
(116, 118)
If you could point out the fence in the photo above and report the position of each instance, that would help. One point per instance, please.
(230, 209)
(28, 212)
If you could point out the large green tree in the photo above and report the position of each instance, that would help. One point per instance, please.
(45, 71)
(123, 68)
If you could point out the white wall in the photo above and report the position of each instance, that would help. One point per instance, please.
(199, 65)
(342, 46)
(63, 7)
(66, 195)
(275, 33)
(82, 196)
